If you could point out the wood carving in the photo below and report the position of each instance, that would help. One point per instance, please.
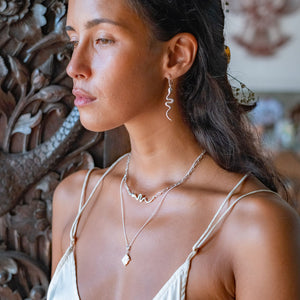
(20, 171)
(41, 140)
(262, 34)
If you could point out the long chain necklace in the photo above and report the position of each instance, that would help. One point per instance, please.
(142, 198)
(127, 258)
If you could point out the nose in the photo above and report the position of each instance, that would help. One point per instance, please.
(79, 66)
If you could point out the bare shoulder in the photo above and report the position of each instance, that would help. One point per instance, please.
(265, 247)
(67, 194)
(66, 201)
(267, 213)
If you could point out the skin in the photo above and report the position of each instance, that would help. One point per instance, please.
(254, 254)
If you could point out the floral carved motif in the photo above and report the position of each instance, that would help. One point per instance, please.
(41, 140)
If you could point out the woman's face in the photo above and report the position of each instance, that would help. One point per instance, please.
(116, 65)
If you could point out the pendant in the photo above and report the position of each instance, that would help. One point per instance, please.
(126, 260)
(140, 198)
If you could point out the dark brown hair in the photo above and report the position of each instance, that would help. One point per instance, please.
(216, 118)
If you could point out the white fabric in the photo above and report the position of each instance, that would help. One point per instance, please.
(64, 282)
(63, 285)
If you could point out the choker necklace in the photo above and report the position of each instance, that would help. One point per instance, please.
(127, 258)
(142, 198)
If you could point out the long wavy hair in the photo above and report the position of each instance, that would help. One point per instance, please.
(216, 118)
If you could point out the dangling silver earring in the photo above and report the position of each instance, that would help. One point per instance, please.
(169, 100)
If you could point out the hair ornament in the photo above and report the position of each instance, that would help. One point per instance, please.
(227, 53)
(242, 93)
(225, 4)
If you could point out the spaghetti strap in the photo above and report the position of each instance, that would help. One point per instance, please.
(217, 219)
(84, 186)
(175, 287)
(82, 197)
(83, 205)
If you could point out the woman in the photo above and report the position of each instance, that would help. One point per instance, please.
(159, 67)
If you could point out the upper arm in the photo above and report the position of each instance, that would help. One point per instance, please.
(267, 252)
(64, 209)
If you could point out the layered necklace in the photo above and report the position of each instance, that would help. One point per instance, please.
(141, 198)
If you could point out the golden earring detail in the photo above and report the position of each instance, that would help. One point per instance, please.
(169, 100)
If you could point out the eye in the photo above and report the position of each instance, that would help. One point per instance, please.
(104, 41)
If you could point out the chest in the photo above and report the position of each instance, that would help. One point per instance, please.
(158, 251)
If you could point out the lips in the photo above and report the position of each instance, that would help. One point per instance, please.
(82, 97)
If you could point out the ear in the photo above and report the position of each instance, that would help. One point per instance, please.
(180, 55)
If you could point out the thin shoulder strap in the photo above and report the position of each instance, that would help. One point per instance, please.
(217, 219)
(83, 205)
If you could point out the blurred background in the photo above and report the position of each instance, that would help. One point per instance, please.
(264, 40)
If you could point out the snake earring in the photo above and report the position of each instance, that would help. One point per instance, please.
(169, 100)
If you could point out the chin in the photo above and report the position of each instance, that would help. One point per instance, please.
(95, 124)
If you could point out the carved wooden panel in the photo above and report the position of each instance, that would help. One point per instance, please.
(41, 140)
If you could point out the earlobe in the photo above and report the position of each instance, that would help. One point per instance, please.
(182, 50)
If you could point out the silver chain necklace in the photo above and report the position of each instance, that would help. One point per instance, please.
(142, 198)
(127, 258)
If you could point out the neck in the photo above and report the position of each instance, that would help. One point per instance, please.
(161, 153)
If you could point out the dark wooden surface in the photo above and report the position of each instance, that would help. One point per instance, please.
(41, 140)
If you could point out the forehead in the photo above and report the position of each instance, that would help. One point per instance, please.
(82, 12)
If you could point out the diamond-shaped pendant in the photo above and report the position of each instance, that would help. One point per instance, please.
(126, 259)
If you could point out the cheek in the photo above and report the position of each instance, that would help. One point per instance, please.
(130, 78)
(125, 86)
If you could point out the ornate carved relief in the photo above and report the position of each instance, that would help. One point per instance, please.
(41, 140)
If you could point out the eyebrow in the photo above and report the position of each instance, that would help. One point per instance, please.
(95, 22)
